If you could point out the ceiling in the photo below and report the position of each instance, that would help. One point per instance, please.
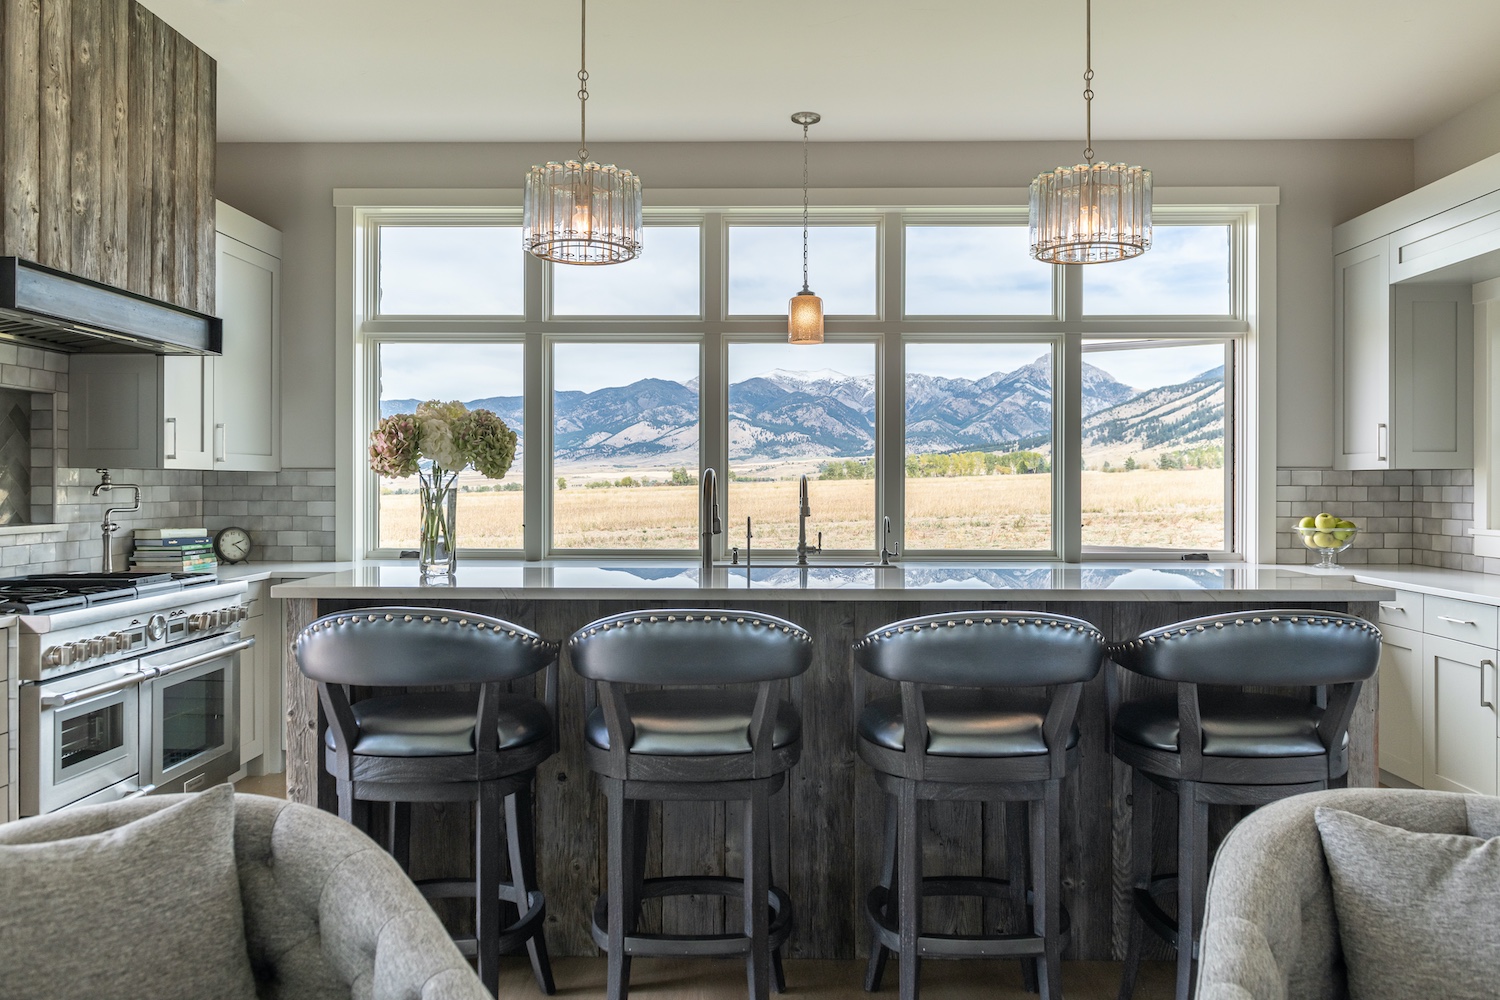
(702, 70)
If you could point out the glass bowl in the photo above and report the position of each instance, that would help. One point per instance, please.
(1327, 543)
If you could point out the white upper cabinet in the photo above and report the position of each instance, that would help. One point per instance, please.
(1403, 367)
(145, 412)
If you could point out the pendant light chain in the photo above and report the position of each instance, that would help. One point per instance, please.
(1088, 80)
(805, 127)
(583, 82)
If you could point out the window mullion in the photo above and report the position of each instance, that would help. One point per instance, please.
(1067, 446)
(713, 388)
(890, 403)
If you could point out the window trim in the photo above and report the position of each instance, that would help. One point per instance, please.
(1253, 211)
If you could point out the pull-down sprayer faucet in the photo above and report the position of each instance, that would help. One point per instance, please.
(709, 524)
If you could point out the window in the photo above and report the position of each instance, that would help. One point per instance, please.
(765, 268)
(802, 411)
(450, 270)
(979, 421)
(486, 376)
(624, 446)
(1156, 457)
(944, 398)
(664, 281)
(974, 271)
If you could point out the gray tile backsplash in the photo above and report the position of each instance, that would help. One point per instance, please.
(1419, 517)
(289, 513)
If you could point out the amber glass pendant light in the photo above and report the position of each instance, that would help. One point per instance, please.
(804, 321)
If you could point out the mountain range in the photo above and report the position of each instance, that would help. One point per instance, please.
(781, 414)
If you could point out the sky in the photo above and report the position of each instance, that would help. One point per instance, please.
(950, 270)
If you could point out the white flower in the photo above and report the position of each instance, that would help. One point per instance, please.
(438, 444)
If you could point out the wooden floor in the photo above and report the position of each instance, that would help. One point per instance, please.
(273, 785)
(817, 979)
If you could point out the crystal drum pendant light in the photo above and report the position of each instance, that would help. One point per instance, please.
(579, 211)
(804, 322)
(1094, 212)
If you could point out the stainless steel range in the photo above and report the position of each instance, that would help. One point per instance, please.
(130, 684)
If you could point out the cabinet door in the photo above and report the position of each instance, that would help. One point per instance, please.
(1459, 751)
(1399, 732)
(1362, 358)
(1433, 418)
(253, 693)
(247, 378)
(187, 405)
(115, 418)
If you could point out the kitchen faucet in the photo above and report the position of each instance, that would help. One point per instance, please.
(887, 553)
(708, 520)
(108, 528)
(803, 513)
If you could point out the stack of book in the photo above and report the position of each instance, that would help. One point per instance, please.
(173, 550)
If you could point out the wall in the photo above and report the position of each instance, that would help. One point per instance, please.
(1466, 138)
(290, 186)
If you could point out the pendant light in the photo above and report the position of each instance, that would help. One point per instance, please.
(579, 211)
(1093, 212)
(804, 322)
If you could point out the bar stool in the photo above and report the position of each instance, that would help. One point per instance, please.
(986, 711)
(684, 741)
(1228, 746)
(480, 746)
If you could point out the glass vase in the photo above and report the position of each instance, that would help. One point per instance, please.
(437, 544)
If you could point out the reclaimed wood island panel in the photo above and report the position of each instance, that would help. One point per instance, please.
(826, 832)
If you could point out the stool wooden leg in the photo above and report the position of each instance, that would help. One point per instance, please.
(879, 953)
(1046, 886)
(909, 877)
(622, 835)
(399, 839)
(1192, 879)
(757, 890)
(519, 838)
(487, 888)
(1017, 850)
(1142, 799)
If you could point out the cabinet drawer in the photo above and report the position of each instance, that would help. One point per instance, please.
(1465, 621)
(255, 598)
(1405, 610)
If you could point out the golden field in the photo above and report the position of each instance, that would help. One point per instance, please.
(1146, 507)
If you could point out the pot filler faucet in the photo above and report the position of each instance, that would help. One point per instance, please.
(708, 521)
(108, 527)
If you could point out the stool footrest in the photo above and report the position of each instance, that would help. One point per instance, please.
(695, 945)
(1027, 945)
(1160, 922)
(513, 937)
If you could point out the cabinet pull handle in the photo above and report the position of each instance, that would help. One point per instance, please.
(1483, 701)
(219, 436)
(1381, 444)
(172, 423)
(1455, 621)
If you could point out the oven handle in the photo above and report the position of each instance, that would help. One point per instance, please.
(118, 684)
(201, 658)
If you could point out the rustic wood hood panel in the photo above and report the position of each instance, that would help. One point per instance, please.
(107, 131)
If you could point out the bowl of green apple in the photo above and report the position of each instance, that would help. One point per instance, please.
(1328, 535)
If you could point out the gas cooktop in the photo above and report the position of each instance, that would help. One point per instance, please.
(46, 593)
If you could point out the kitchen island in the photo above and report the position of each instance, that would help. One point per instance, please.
(826, 832)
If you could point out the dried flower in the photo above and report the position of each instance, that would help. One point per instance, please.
(395, 446)
(487, 442)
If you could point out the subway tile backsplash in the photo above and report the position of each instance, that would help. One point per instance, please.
(289, 514)
(1419, 517)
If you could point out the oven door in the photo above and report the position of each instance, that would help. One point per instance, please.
(80, 736)
(190, 714)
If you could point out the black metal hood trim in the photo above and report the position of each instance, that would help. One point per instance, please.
(56, 311)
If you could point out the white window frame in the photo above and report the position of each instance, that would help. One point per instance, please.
(1251, 212)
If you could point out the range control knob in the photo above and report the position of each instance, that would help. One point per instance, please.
(241, 613)
(226, 616)
(201, 622)
(80, 650)
(122, 640)
(96, 646)
(58, 656)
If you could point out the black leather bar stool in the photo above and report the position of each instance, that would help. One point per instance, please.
(481, 745)
(986, 711)
(685, 741)
(1223, 745)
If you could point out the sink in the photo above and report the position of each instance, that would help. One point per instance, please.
(792, 564)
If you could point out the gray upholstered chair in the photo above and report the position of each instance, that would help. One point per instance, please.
(476, 743)
(327, 912)
(685, 740)
(1269, 930)
(1225, 745)
(986, 711)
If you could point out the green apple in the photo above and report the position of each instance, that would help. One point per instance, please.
(1344, 531)
(1325, 522)
(1325, 540)
(1307, 522)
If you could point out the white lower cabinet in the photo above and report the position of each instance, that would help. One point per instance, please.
(1400, 724)
(1461, 724)
(255, 685)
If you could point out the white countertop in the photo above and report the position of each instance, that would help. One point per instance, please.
(662, 581)
(1481, 587)
(252, 572)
